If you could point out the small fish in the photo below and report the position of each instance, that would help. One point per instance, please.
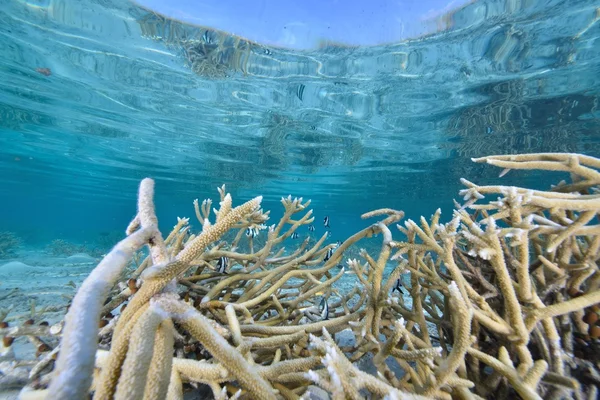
(324, 309)
(398, 286)
(300, 91)
(328, 255)
(252, 232)
(44, 71)
(311, 228)
(207, 37)
(295, 235)
(338, 244)
(222, 265)
(267, 52)
(326, 222)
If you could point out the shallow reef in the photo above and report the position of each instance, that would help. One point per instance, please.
(499, 302)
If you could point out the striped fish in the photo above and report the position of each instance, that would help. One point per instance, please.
(295, 235)
(326, 222)
(207, 37)
(252, 232)
(222, 265)
(324, 308)
(328, 255)
(300, 91)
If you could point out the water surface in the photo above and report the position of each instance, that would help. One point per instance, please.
(97, 94)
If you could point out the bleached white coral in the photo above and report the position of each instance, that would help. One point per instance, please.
(471, 193)
(453, 289)
(391, 396)
(449, 230)
(485, 253)
(312, 376)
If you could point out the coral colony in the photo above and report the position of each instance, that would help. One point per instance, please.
(499, 302)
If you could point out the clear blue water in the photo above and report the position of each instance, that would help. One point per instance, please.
(97, 94)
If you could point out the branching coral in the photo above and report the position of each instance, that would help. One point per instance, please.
(501, 302)
(9, 242)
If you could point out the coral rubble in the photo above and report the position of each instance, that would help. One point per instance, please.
(500, 302)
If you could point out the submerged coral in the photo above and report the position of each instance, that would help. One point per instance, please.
(100, 246)
(61, 247)
(207, 52)
(501, 302)
(9, 242)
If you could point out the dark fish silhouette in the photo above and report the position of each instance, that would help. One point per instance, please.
(398, 287)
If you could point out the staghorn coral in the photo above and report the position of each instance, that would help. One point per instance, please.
(502, 302)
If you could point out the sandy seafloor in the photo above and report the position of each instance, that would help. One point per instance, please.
(35, 277)
(35, 284)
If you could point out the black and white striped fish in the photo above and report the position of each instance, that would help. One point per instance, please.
(295, 235)
(311, 228)
(207, 37)
(252, 232)
(222, 265)
(328, 255)
(324, 308)
(326, 222)
(398, 287)
(338, 243)
(300, 91)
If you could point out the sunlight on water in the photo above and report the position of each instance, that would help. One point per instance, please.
(96, 95)
(129, 94)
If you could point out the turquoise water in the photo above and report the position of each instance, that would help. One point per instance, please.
(95, 95)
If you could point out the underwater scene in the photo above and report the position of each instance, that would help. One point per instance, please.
(187, 213)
